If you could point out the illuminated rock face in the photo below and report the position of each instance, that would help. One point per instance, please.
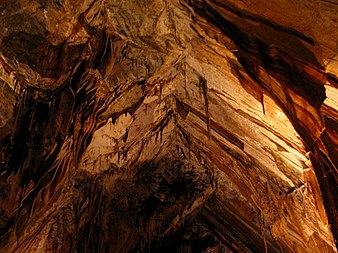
(168, 126)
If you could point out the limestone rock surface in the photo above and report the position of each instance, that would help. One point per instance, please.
(168, 126)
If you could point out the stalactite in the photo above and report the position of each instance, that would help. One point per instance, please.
(16, 83)
(186, 138)
(203, 84)
(262, 227)
(18, 109)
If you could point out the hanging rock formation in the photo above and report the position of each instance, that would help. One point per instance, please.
(168, 126)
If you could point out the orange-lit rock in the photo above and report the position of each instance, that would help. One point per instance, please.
(168, 126)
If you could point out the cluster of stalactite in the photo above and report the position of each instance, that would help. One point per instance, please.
(43, 149)
(50, 131)
(53, 191)
(300, 90)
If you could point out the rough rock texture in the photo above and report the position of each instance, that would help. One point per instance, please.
(168, 126)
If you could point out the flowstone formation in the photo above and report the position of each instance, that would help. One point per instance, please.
(168, 126)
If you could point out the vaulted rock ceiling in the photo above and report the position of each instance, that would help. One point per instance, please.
(168, 126)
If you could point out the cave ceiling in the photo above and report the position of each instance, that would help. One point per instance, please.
(168, 126)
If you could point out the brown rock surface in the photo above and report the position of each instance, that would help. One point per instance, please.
(168, 126)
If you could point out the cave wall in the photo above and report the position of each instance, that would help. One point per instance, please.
(168, 125)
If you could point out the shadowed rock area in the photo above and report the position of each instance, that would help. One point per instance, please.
(188, 126)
